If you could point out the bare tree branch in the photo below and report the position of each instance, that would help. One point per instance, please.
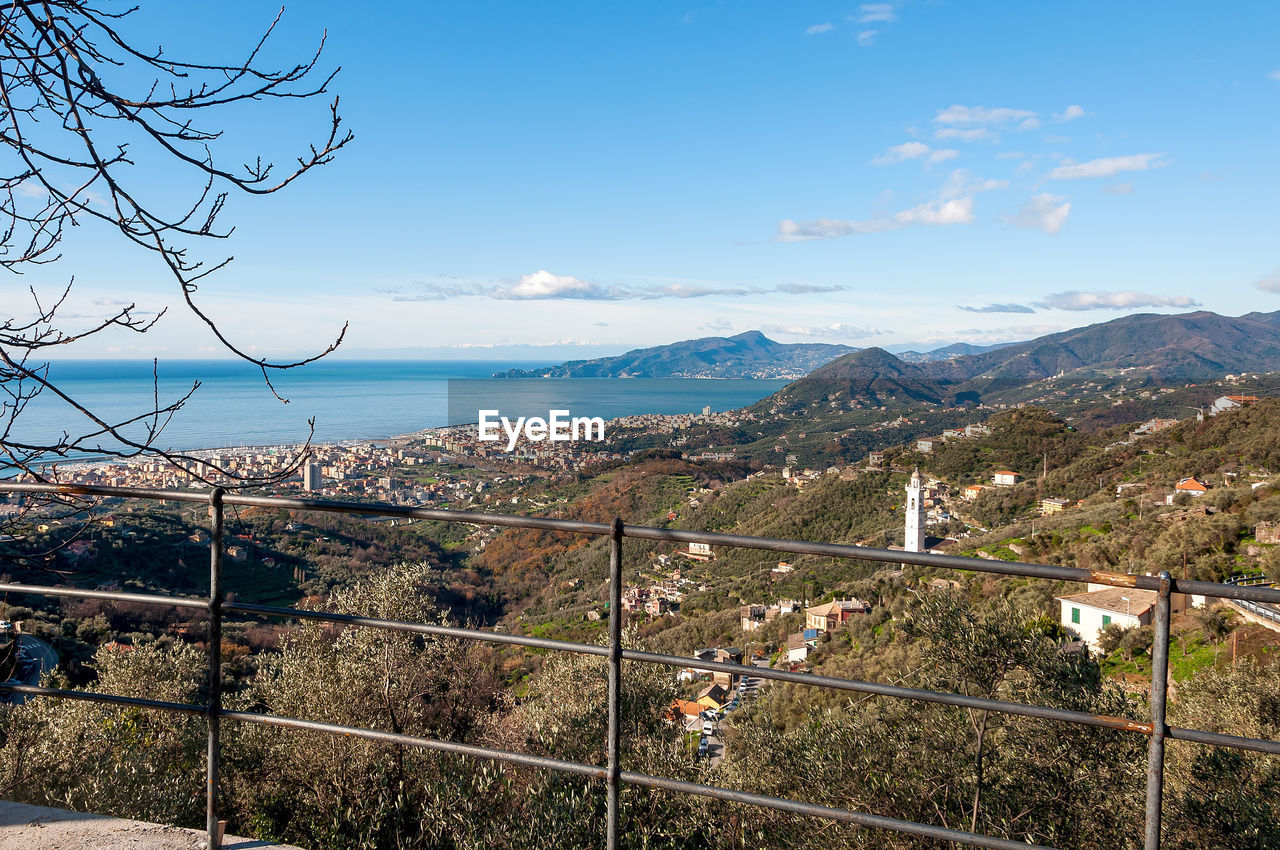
(82, 108)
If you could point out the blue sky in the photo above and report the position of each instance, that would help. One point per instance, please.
(555, 181)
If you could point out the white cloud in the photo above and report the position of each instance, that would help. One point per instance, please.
(1044, 212)
(809, 288)
(836, 329)
(1270, 283)
(1076, 300)
(875, 12)
(1118, 189)
(932, 213)
(998, 308)
(940, 212)
(914, 150)
(976, 134)
(902, 152)
(867, 37)
(1029, 124)
(818, 29)
(1107, 166)
(1011, 155)
(970, 115)
(828, 228)
(716, 326)
(544, 284)
(954, 205)
(1071, 113)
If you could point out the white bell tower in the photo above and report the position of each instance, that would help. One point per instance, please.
(914, 541)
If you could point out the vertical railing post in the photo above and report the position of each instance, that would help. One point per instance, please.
(213, 712)
(1159, 693)
(615, 676)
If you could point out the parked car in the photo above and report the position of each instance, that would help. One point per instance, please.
(708, 727)
(703, 746)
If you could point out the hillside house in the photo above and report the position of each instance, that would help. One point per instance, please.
(722, 655)
(1152, 426)
(799, 644)
(1087, 614)
(699, 552)
(657, 606)
(1005, 478)
(924, 446)
(755, 616)
(828, 616)
(1053, 506)
(781, 570)
(1191, 486)
(1230, 402)
(972, 492)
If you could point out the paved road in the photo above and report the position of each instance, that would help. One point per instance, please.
(42, 652)
(46, 658)
(748, 689)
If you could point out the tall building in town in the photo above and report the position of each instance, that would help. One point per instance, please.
(915, 515)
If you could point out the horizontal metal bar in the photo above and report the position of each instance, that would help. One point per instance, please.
(588, 770)
(104, 490)
(831, 682)
(1227, 591)
(800, 547)
(113, 595)
(418, 628)
(387, 509)
(827, 812)
(108, 699)
(1217, 739)
(895, 556)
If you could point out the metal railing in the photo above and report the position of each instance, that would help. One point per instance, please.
(1257, 609)
(1156, 729)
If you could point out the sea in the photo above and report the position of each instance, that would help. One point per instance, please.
(350, 400)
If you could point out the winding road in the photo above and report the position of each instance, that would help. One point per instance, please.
(45, 658)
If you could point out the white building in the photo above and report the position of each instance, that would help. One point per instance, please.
(914, 539)
(1087, 614)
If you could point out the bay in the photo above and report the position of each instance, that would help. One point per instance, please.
(350, 400)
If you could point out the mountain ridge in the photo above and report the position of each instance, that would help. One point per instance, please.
(750, 354)
(1187, 347)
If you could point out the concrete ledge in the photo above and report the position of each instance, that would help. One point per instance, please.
(24, 827)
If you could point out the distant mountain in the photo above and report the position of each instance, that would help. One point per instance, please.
(1186, 348)
(947, 352)
(746, 355)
